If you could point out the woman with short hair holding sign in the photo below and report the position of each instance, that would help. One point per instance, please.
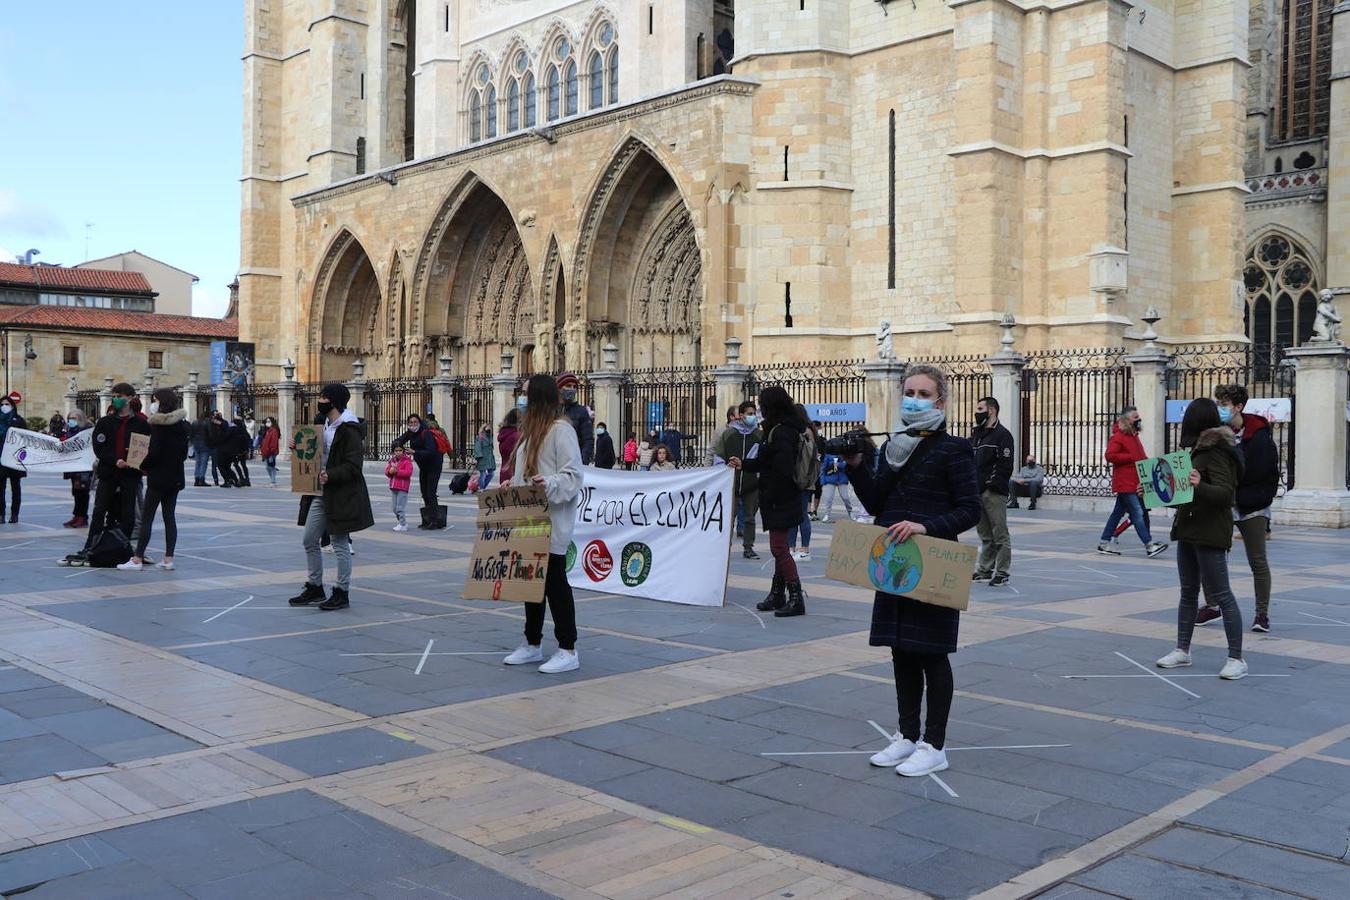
(925, 483)
(550, 455)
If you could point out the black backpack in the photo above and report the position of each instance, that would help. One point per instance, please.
(110, 548)
(459, 483)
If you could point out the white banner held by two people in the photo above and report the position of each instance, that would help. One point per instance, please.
(28, 451)
(660, 535)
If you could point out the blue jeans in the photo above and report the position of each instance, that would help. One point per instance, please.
(203, 460)
(485, 478)
(805, 527)
(1128, 503)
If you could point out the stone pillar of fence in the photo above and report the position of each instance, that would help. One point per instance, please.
(607, 392)
(72, 395)
(1148, 370)
(287, 389)
(883, 388)
(443, 396)
(224, 402)
(104, 397)
(147, 387)
(730, 379)
(1005, 369)
(503, 396)
(190, 392)
(357, 403)
(1319, 496)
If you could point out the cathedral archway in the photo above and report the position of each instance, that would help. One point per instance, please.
(477, 298)
(345, 312)
(639, 268)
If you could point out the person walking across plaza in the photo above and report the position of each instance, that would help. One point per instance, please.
(993, 446)
(427, 454)
(81, 483)
(780, 497)
(10, 418)
(269, 447)
(604, 447)
(1026, 482)
(834, 483)
(485, 460)
(549, 455)
(1203, 531)
(399, 472)
(736, 440)
(1255, 492)
(170, 435)
(218, 441)
(1123, 450)
(344, 505)
(925, 483)
(240, 446)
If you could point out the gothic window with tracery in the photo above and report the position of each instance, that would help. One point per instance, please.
(513, 105)
(553, 93)
(1281, 289)
(1304, 102)
(490, 103)
(612, 67)
(596, 77)
(475, 116)
(529, 100)
(570, 81)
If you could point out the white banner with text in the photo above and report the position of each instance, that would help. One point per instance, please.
(29, 451)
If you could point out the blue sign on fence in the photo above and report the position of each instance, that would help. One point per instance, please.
(656, 414)
(836, 412)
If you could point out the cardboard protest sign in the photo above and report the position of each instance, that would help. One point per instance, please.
(306, 460)
(1166, 479)
(510, 548)
(28, 451)
(922, 568)
(659, 535)
(138, 448)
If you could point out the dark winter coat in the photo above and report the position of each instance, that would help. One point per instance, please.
(1261, 465)
(938, 489)
(1123, 450)
(238, 442)
(169, 437)
(201, 434)
(580, 417)
(422, 443)
(604, 451)
(733, 443)
(217, 434)
(780, 500)
(993, 457)
(346, 501)
(1208, 519)
(14, 421)
(112, 438)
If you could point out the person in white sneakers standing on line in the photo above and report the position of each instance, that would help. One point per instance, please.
(549, 454)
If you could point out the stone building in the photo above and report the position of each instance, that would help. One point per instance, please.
(468, 177)
(172, 286)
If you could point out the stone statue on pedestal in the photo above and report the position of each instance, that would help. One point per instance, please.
(885, 347)
(1327, 326)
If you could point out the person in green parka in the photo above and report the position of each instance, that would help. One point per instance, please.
(1203, 532)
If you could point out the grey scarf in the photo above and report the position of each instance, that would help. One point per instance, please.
(902, 443)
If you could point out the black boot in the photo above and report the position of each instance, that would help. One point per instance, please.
(310, 594)
(426, 519)
(337, 600)
(1033, 505)
(795, 605)
(442, 515)
(776, 598)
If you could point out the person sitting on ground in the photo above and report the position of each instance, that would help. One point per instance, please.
(1026, 482)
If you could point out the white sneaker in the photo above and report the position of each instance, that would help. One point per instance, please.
(901, 749)
(562, 661)
(165, 564)
(351, 549)
(1175, 660)
(1234, 669)
(525, 653)
(925, 760)
(400, 527)
(130, 565)
(802, 555)
(824, 520)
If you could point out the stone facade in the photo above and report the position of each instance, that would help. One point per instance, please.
(935, 164)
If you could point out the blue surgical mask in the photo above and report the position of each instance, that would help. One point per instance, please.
(73, 423)
(1225, 413)
(752, 420)
(599, 431)
(521, 401)
(913, 405)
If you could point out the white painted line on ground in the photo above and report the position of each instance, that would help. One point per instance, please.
(753, 613)
(7, 668)
(882, 731)
(1173, 675)
(439, 653)
(1099, 571)
(17, 546)
(423, 661)
(1324, 619)
(84, 570)
(942, 784)
(221, 535)
(823, 753)
(1157, 676)
(224, 611)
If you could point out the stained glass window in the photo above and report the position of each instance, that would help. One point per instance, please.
(529, 100)
(570, 79)
(596, 79)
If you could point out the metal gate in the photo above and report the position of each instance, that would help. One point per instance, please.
(678, 404)
(388, 404)
(473, 410)
(815, 382)
(1070, 400)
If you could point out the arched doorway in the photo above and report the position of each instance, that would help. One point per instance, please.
(640, 270)
(346, 309)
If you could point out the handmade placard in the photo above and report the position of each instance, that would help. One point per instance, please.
(927, 569)
(138, 447)
(306, 459)
(1166, 480)
(510, 547)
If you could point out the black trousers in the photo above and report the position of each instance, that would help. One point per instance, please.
(912, 670)
(429, 480)
(114, 504)
(13, 478)
(558, 595)
(167, 502)
(241, 469)
(81, 510)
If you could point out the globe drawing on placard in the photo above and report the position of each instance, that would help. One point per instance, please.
(1164, 480)
(894, 568)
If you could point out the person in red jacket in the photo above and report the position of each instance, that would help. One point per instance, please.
(1122, 452)
(400, 472)
(269, 447)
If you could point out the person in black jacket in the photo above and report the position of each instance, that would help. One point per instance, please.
(578, 415)
(201, 450)
(116, 486)
(780, 498)
(10, 418)
(218, 440)
(1256, 490)
(993, 446)
(604, 448)
(239, 445)
(420, 440)
(163, 468)
(925, 483)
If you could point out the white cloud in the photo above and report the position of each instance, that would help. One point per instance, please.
(29, 220)
(209, 301)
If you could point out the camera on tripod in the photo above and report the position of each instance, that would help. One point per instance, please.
(853, 442)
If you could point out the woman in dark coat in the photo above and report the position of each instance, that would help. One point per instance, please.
(925, 483)
(780, 499)
(10, 418)
(163, 467)
(420, 440)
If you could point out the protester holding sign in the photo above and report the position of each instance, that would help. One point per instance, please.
(421, 440)
(925, 483)
(1203, 530)
(117, 486)
(163, 467)
(1123, 450)
(10, 418)
(550, 454)
(774, 460)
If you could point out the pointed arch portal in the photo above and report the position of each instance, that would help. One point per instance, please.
(346, 313)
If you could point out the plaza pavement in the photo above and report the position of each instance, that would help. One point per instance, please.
(188, 734)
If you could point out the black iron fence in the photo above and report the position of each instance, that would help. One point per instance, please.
(388, 403)
(679, 404)
(307, 401)
(87, 402)
(969, 380)
(1070, 400)
(472, 400)
(816, 383)
(258, 399)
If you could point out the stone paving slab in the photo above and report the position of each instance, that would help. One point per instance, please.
(341, 751)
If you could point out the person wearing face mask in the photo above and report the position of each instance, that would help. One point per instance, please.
(269, 447)
(1122, 452)
(578, 415)
(240, 446)
(737, 440)
(81, 483)
(993, 446)
(1026, 483)
(484, 459)
(605, 457)
(117, 485)
(925, 483)
(344, 505)
(218, 441)
(163, 468)
(427, 454)
(508, 435)
(10, 418)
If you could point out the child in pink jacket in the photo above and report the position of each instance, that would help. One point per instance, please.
(399, 472)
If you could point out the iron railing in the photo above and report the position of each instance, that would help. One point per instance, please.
(388, 403)
(472, 399)
(1070, 400)
(839, 381)
(679, 404)
(87, 402)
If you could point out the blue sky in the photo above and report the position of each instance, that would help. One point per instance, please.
(127, 116)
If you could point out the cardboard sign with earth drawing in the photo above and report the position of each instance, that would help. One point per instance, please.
(927, 569)
(306, 461)
(1166, 480)
(510, 549)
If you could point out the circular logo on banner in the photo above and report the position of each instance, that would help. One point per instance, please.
(635, 563)
(101, 438)
(597, 561)
(1164, 481)
(894, 568)
(571, 555)
(22, 455)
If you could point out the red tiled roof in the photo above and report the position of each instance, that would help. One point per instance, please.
(81, 279)
(150, 324)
